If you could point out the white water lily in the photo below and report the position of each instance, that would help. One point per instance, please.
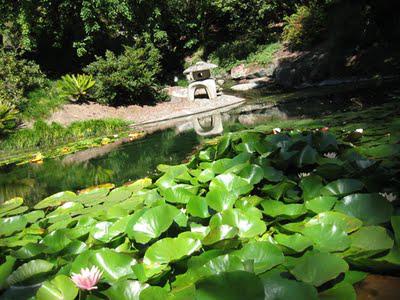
(276, 130)
(302, 175)
(87, 278)
(389, 196)
(359, 130)
(330, 155)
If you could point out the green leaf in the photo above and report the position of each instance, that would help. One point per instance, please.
(223, 144)
(179, 193)
(56, 200)
(198, 207)
(320, 204)
(337, 219)
(10, 205)
(126, 290)
(167, 250)
(206, 175)
(327, 237)
(311, 186)
(341, 291)
(372, 209)
(114, 265)
(232, 285)
(264, 255)
(59, 288)
(316, 268)
(274, 209)
(151, 223)
(272, 174)
(342, 187)
(5, 270)
(252, 173)
(395, 221)
(307, 156)
(12, 224)
(29, 271)
(225, 189)
(370, 240)
(56, 241)
(154, 293)
(277, 287)
(296, 242)
(276, 191)
(106, 231)
(248, 222)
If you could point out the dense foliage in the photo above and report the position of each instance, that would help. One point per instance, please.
(8, 118)
(255, 216)
(130, 77)
(18, 77)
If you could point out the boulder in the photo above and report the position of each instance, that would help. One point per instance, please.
(250, 72)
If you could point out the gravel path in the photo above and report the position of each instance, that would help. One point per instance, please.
(139, 114)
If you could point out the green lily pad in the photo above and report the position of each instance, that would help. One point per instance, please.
(231, 285)
(56, 200)
(371, 209)
(316, 268)
(114, 265)
(297, 242)
(274, 209)
(151, 223)
(167, 250)
(225, 189)
(29, 271)
(59, 288)
(12, 224)
(320, 204)
(277, 287)
(337, 219)
(341, 291)
(264, 255)
(342, 187)
(327, 237)
(11, 204)
(126, 290)
(6, 269)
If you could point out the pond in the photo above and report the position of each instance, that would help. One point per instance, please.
(172, 142)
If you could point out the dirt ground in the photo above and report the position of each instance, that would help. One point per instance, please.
(139, 114)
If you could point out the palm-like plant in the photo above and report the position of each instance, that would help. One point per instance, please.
(8, 118)
(76, 87)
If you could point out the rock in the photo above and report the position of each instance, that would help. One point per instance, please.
(252, 84)
(249, 72)
(177, 93)
(220, 82)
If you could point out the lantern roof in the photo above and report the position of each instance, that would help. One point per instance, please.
(200, 66)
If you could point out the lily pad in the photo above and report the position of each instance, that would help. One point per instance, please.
(316, 267)
(372, 209)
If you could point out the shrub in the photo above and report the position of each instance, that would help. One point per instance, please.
(75, 88)
(230, 54)
(127, 78)
(9, 118)
(18, 77)
(305, 27)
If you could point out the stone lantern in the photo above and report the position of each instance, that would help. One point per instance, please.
(199, 76)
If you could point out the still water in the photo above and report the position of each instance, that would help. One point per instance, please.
(173, 142)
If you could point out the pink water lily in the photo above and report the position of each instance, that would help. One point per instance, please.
(87, 278)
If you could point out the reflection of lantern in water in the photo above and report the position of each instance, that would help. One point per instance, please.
(210, 125)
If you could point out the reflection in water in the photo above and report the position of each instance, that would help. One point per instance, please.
(208, 126)
(127, 162)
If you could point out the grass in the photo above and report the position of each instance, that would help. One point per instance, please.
(44, 135)
(41, 103)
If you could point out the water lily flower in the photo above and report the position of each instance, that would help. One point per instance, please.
(389, 197)
(330, 155)
(359, 130)
(87, 278)
(302, 175)
(324, 129)
(276, 130)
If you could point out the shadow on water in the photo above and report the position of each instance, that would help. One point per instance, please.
(170, 142)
